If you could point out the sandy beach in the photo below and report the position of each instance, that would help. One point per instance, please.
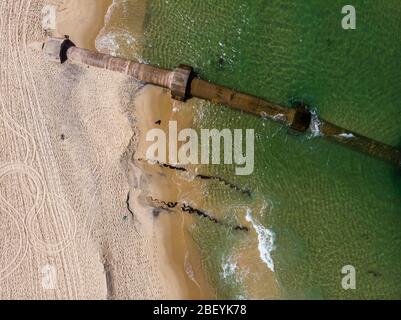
(72, 227)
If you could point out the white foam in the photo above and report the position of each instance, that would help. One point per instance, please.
(266, 238)
(108, 43)
(315, 125)
(229, 267)
(346, 135)
(280, 117)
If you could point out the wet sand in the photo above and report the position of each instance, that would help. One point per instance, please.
(82, 20)
(155, 108)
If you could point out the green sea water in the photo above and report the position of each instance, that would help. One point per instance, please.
(328, 206)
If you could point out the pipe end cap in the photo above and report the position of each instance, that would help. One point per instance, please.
(55, 49)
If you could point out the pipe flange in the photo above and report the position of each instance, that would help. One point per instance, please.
(180, 82)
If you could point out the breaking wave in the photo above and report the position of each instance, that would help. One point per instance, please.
(266, 239)
(315, 125)
(346, 135)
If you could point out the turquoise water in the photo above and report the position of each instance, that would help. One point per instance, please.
(328, 206)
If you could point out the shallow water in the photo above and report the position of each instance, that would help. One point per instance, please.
(326, 206)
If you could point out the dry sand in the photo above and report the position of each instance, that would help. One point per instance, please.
(67, 133)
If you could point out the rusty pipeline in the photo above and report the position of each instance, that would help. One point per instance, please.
(184, 85)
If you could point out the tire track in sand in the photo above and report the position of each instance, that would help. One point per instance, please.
(69, 257)
(46, 177)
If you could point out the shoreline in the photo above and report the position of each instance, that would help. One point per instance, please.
(155, 108)
(182, 252)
